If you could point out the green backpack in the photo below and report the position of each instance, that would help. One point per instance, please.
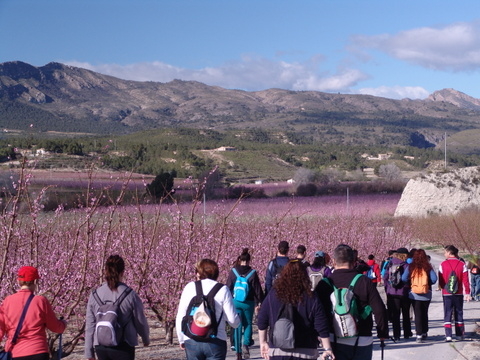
(346, 310)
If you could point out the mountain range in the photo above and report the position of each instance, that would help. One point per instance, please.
(62, 98)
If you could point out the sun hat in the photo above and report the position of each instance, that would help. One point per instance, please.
(28, 273)
(402, 251)
(319, 253)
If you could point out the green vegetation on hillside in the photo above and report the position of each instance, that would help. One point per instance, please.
(250, 155)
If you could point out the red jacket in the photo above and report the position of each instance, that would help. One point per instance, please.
(40, 316)
(452, 263)
(376, 270)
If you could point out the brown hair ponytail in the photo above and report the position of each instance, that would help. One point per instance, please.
(114, 267)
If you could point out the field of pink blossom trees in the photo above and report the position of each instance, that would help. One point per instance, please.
(161, 243)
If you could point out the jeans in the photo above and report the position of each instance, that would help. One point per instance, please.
(348, 352)
(245, 311)
(420, 309)
(120, 352)
(215, 349)
(475, 285)
(453, 304)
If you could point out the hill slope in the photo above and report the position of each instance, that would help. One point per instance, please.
(57, 97)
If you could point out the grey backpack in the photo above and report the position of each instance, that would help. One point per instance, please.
(283, 332)
(107, 327)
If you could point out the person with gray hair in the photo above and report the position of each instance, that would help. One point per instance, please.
(358, 347)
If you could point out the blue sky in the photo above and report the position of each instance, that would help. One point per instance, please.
(395, 49)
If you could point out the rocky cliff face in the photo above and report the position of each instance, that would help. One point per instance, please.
(441, 193)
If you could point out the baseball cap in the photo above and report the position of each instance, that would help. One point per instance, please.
(28, 273)
(402, 251)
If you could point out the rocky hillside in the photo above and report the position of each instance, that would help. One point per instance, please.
(64, 98)
(441, 193)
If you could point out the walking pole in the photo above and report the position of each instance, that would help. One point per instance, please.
(238, 342)
(382, 346)
(59, 352)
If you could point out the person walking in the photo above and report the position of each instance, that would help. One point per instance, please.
(276, 265)
(397, 290)
(302, 255)
(245, 304)
(319, 269)
(131, 316)
(374, 271)
(453, 271)
(421, 275)
(358, 347)
(293, 291)
(31, 344)
(207, 272)
(475, 282)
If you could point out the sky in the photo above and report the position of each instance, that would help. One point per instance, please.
(394, 49)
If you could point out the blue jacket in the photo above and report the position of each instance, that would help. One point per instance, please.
(274, 267)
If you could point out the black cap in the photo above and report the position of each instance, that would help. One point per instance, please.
(402, 251)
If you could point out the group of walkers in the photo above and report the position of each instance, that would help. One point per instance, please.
(330, 304)
(306, 310)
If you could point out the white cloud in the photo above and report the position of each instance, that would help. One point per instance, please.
(250, 73)
(396, 92)
(455, 47)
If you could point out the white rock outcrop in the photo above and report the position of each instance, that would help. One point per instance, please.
(441, 193)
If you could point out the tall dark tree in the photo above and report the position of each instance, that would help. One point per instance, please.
(162, 186)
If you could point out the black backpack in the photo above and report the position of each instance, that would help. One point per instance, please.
(451, 286)
(206, 305)
(107, 327)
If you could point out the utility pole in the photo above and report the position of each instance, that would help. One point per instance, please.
(445, 150)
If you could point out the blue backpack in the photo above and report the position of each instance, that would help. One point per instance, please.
(371, 273)
(241, 287)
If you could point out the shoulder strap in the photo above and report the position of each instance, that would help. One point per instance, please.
(236, 272)
(214, 290)
(97, 298)
(22, 318)
(354, 281)
(122, 296)
(249, 275)
(198, 287)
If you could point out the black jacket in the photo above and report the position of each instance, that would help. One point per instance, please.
(255, 289)
(366, 293)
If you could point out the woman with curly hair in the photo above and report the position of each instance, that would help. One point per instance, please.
(293, 288)
(420, 275)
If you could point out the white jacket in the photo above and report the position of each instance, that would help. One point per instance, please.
(223, 303)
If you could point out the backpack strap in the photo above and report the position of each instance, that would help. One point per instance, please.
(97, 298)
(122, 296)
(249, 275)
(22, 318)
(354, 281)
(198, 287)
(236, 272)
